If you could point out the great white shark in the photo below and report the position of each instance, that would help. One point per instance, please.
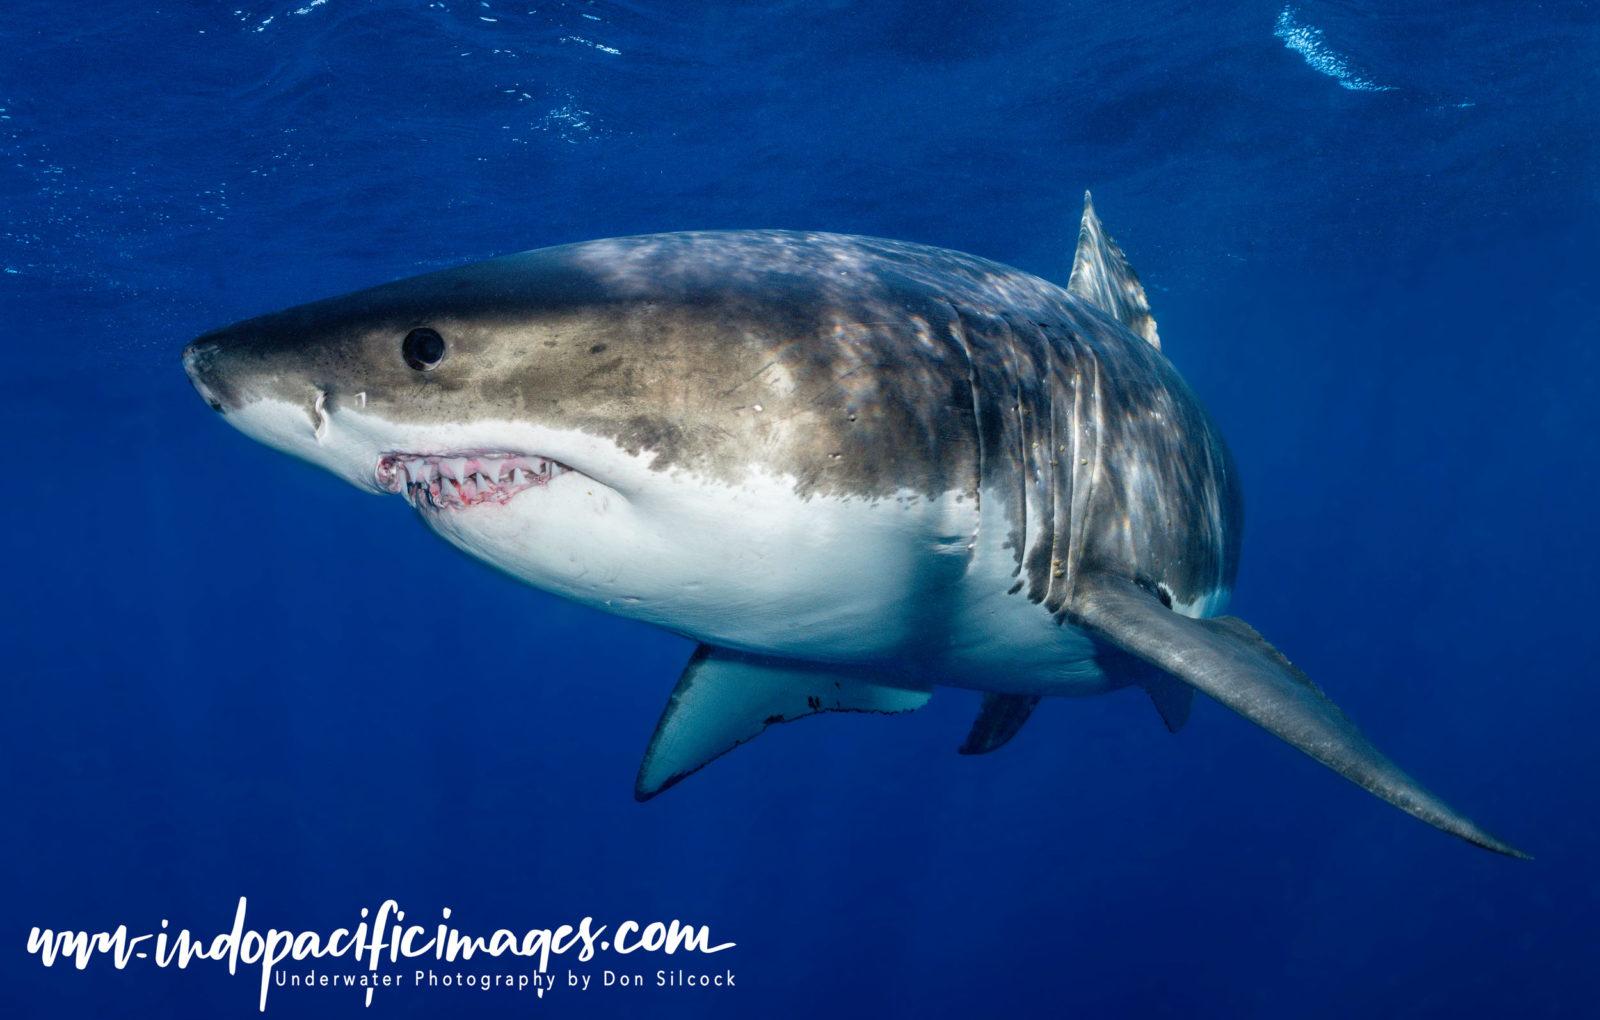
(852, 469)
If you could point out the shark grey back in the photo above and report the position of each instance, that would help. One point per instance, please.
(852, 468)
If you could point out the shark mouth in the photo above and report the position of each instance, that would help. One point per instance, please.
(458, 481)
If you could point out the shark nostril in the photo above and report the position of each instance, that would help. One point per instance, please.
(197, 358)
(196, 355)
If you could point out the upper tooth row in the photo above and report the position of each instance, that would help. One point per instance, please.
(421, 471)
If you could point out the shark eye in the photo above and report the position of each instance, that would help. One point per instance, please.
(422, 349)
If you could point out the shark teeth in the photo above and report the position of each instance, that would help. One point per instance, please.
(457, 481)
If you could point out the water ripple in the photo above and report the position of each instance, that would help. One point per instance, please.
(1307, 41)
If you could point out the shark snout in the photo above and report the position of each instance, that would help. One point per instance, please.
(198, 360)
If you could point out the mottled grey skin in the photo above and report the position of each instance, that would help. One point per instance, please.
(912, 367)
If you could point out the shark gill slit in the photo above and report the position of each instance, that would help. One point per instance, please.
(1097, 421)
(1222, 475)
(1012, 464)
(959, 333)
(1053, 451)
(1033, 373)
(1069, 554)
(1043, 565)
(1063, 449)
(1024, 488)
(1085, 460)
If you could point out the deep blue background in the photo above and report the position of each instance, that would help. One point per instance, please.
(228, 674)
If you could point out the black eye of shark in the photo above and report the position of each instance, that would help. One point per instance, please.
(423, 348)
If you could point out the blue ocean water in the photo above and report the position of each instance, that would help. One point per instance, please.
(1368, 234)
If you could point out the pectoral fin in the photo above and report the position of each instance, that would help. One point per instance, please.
(725, 698)
(1228, 660)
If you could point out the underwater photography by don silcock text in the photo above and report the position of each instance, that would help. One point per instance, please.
(1156, 442)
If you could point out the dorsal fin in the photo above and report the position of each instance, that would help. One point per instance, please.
(1102, 277)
